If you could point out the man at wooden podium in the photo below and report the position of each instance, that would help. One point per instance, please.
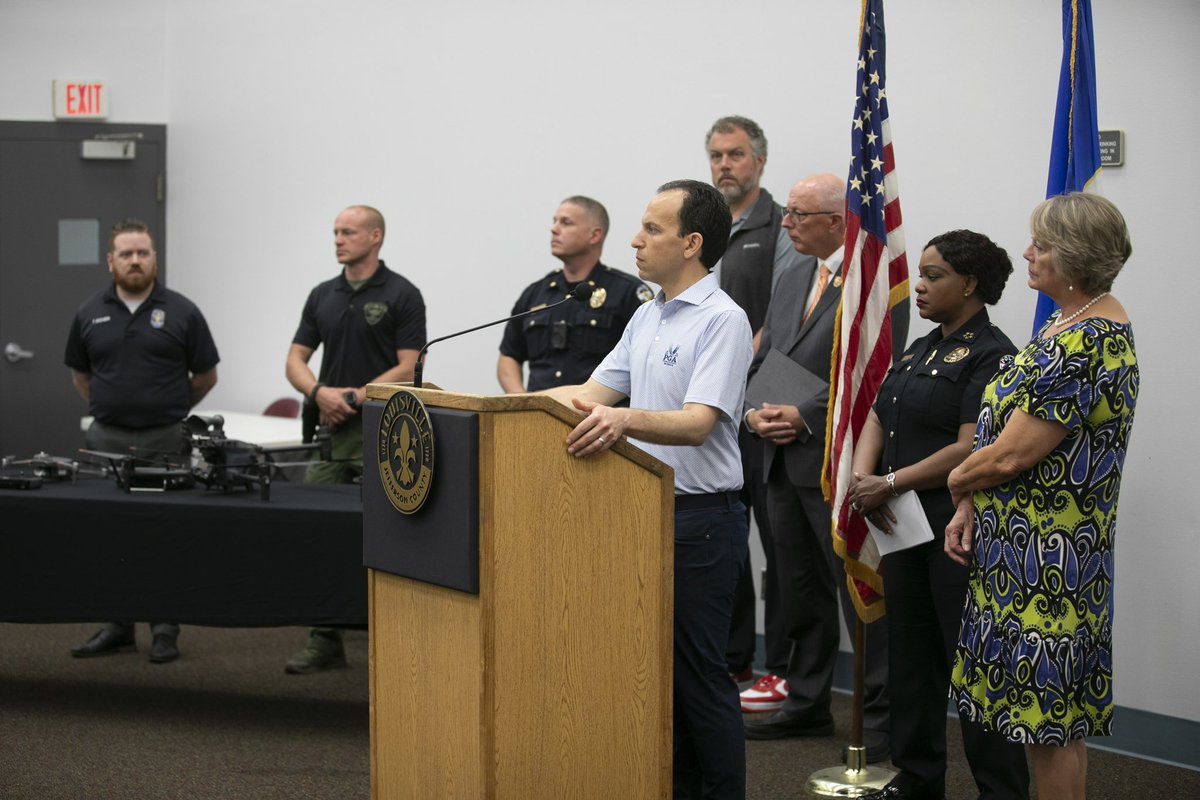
(682, 363)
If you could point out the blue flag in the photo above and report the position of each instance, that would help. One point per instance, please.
(1075, 149)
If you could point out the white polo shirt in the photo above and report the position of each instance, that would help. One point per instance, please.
(695, 348)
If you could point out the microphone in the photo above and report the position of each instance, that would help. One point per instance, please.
(581, 292)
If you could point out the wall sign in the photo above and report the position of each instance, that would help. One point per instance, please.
(1112, 148)
(79, 99)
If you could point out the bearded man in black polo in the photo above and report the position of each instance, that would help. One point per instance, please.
(141, 356)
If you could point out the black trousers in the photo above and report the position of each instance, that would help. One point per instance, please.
(925, 591)
(812, 583)
(709, 740)
(743, 629)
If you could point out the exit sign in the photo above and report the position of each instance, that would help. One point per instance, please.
(75, 99)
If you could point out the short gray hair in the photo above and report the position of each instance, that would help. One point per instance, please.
(758, 140)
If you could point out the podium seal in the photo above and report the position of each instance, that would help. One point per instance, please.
(404, 452)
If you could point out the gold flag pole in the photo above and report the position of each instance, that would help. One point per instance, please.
(857, 777)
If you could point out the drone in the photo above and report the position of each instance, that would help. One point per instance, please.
(42, 467)
(228, 464)
(138, 473)
(208, 457)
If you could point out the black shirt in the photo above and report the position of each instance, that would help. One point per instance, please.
(748, 266)
(565, 344)
(936, 386)
(362, 329)
(140, 363)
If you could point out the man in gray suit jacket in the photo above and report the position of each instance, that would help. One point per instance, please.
(794, 358)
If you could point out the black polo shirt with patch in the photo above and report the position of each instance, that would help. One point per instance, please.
(362, 330)
(141, 363)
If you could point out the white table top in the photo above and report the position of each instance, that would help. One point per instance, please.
(254, 428)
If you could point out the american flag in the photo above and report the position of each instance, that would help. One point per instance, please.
(1075, 148)
(876, 279)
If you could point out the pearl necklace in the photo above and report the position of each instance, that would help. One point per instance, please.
(1063, 321)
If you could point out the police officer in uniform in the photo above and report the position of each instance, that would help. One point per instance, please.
(921, 427)
(141, 355)
(563, 345)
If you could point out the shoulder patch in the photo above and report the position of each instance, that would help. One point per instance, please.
(644, 294)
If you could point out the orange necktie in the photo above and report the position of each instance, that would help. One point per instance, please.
(822, 282)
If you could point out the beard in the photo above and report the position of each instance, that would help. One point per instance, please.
(733, 192)
(135, 282)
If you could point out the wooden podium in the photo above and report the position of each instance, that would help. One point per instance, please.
(547, 672)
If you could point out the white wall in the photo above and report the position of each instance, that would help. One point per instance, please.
(466, 122)
(120, 41)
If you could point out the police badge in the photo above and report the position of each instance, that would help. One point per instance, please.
(957, 354)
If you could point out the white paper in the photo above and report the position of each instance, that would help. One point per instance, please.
(910, 529)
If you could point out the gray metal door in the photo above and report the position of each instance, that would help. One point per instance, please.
(56, 208)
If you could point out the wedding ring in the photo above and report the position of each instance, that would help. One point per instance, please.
(600, 439)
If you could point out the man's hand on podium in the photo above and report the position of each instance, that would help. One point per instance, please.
(602, 426)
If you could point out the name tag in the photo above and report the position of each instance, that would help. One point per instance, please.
(750, 245)
(98, 320)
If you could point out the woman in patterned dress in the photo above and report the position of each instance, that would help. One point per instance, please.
(1036, 505)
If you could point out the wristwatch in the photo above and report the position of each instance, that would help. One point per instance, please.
(312, 396)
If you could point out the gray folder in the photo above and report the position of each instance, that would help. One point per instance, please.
(782, 381)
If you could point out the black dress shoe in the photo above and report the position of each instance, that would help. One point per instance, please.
(104, 642)
(894, 791)
(163, 649)
(781, 725)
(878, 747)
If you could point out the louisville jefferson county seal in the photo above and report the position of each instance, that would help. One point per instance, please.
(405, 451)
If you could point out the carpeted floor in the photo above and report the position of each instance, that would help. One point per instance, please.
(225, 723)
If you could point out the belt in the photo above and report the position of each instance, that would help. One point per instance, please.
(693, 502)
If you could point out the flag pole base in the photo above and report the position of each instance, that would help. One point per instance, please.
(853, 780)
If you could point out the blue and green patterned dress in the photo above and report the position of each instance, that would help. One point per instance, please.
(1034, 658)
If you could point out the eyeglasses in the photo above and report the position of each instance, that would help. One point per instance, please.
(798, 216)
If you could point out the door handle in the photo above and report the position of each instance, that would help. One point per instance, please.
(13, 353)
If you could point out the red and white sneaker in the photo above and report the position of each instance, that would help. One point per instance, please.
(766, 695)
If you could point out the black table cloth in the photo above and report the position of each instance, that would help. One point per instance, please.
(86, 551)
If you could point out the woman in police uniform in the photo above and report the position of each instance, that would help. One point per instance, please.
(921, 428)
